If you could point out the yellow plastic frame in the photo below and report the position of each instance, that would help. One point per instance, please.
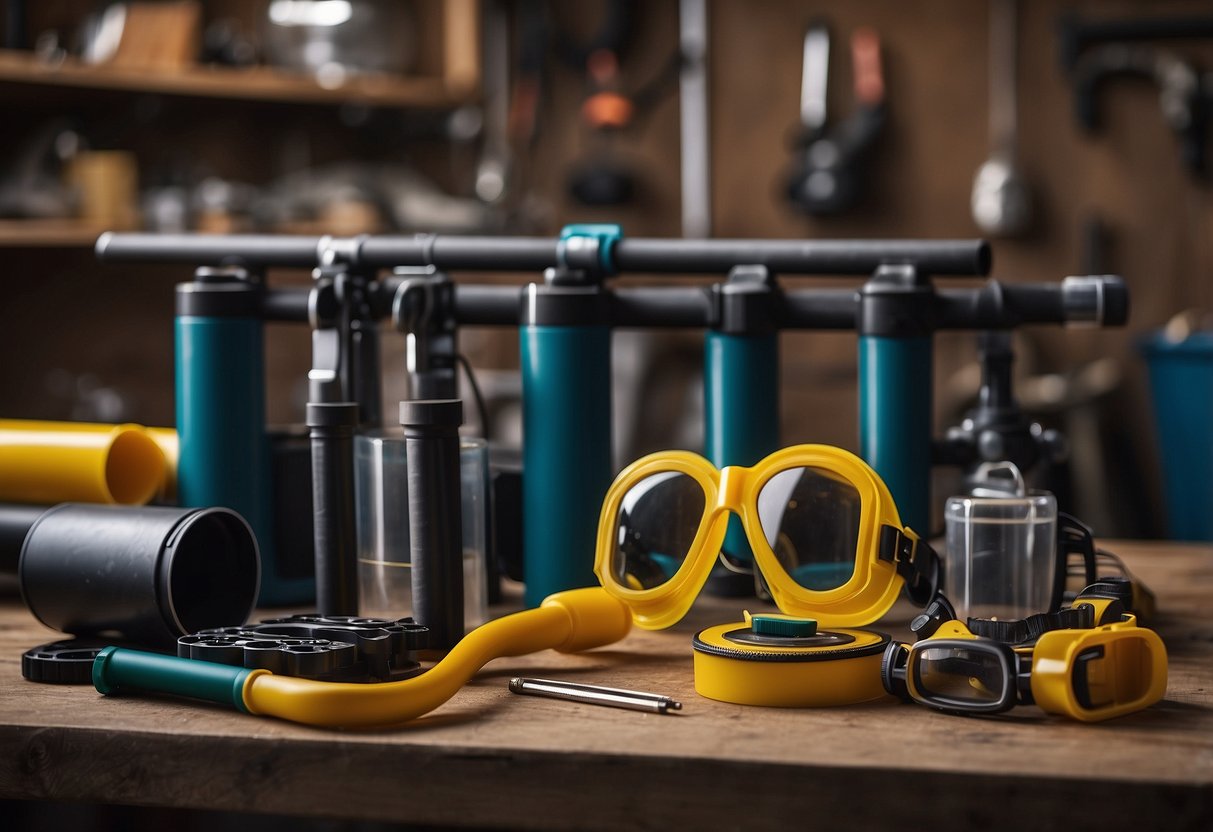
(865, 597)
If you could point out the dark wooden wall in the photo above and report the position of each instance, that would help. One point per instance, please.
(63, 311)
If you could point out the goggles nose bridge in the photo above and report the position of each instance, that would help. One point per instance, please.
(732, 483)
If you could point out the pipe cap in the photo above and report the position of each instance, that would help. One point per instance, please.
(425, 413)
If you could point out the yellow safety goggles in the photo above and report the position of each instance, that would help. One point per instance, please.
(821, 523)
(1088, 674)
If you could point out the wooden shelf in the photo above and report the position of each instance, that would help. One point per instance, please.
(40, 233)
(254, 84)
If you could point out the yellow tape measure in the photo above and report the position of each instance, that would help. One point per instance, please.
(785, 662)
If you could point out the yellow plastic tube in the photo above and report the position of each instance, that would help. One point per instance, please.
(166, 439)
(60, 462)
(578, 619)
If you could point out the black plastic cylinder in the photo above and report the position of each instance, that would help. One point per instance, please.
(431, 437)
(332, 430)
(144, 575)
(15, 523)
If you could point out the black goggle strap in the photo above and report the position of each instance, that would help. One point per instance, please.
(1074, 539)
(916, 562)
(1025, 630)
(893, 670)
(1023, 679)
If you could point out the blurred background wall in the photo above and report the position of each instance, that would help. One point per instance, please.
(81, 340)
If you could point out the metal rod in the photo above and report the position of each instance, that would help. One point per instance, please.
(631, 700)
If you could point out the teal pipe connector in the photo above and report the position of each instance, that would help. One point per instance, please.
(895, 420)
(566, 394)
(602, 235)
(118, 669)
(741, 409)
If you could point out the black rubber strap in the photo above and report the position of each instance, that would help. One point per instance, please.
(916, 562)
(1021, 630)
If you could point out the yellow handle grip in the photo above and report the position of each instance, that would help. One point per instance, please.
(567, 621)
(59, 462)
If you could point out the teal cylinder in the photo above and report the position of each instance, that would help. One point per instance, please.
(895, 420)
(224, 456)
(566, 396)
(117, 670)
(741, 409)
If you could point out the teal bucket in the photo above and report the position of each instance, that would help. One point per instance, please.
(1181, 384)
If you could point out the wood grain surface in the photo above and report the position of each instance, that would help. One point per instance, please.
(488, 758)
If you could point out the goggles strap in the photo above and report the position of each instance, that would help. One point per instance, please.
(1023, 679)
(916, 562)
(1022, 630)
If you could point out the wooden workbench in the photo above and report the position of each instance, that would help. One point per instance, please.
(489, 758)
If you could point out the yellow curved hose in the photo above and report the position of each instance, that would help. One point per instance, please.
(567, 621)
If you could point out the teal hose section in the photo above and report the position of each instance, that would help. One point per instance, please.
(224, 457)
(566, 453)
(895, 420)
(741, 409)
(116, 670)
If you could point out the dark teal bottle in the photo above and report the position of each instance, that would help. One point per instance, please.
(741, 386)
(741, 409)
(896, 315)
(565, 344)
(224, 454)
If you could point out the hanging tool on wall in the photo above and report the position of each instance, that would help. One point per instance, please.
(829, 172)
(609, 108)
(693, 122)
(1076, 34)
(1001, 202)
(1094, 52)
(1183, 93)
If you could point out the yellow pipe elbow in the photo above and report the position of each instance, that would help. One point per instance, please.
(568, 621)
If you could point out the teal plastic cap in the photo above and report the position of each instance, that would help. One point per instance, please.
(787, 627)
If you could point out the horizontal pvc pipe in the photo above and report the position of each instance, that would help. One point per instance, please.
(837, 257)
(55, 462)
(210, 249)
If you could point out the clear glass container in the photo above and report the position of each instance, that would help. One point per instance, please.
(1001, 552)
(385, 582)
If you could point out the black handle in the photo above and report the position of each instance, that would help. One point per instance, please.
(332, 430)
(431, 439)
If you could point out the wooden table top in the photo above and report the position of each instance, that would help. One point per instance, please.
(488, 758)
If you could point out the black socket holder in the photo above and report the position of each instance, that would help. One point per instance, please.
(328, 648)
